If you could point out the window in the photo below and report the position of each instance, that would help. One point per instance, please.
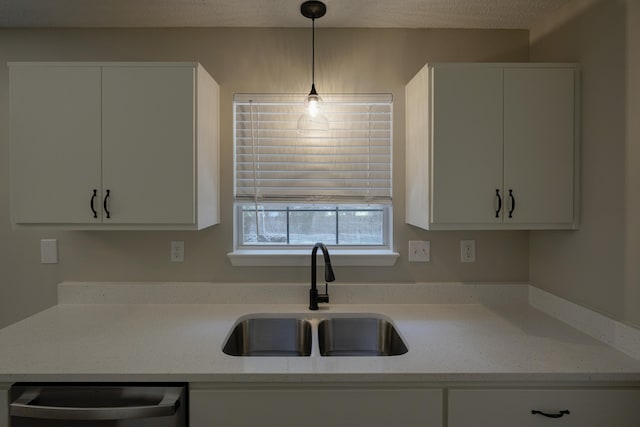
(306, 224)
(293, 190)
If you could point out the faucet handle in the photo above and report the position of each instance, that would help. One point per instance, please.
(324, 297)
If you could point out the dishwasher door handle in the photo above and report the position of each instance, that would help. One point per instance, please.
(22, 407)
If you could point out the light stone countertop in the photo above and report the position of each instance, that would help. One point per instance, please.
(475, 341)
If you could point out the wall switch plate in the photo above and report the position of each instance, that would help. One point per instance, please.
(177, 251)
(468, 250)
(419, 251)
(48, 251)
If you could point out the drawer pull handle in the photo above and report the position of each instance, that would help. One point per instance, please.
(513, 203)
(105, 204)
(93, 198)
(558, 415)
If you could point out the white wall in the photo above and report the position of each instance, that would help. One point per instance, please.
(598, 265)
(632, 167)
(247, 60)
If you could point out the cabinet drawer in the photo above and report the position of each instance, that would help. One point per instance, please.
(316, 407)
(508, 408)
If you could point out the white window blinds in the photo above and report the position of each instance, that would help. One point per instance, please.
(350, 162)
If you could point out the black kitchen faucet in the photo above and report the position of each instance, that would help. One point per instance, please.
(314, 296)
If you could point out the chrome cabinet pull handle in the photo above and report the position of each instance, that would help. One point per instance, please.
(106, 204)
(93, 199)
(558, 415)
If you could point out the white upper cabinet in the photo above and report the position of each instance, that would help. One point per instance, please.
(492, 146)
(114, 145)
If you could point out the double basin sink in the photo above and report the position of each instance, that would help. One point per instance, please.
(267, 335)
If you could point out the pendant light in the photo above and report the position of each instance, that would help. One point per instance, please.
(312, 120)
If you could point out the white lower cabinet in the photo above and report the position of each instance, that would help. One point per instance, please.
(544, 407)
(336, 405)
(409, 405)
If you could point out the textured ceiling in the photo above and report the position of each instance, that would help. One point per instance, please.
(276, 13)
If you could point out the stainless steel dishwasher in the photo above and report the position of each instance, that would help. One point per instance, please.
(100, 405)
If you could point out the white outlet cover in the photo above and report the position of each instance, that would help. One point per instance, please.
(177, 251)
(48, 251)
(468, 250)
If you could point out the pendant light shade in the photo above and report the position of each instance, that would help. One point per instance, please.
(312, 120)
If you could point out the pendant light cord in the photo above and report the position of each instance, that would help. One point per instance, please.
(313, 52)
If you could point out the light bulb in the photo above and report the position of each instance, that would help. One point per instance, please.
(312, 122)
(313, 108)
(313, 103)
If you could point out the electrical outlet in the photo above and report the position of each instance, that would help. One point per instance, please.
(468, 250)
(419, 251)
(177, 251)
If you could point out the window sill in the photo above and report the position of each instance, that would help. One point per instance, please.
(302, 258)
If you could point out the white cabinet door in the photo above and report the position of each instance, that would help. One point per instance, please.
(55, 144)
(148, 146)
(342, 406)
(571, 408)
(466, 158)
(539, 145)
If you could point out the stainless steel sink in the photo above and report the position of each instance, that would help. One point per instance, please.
(270, 336)
(359, 336)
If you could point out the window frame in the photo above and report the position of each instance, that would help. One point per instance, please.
(298, 254)
(387, 231)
